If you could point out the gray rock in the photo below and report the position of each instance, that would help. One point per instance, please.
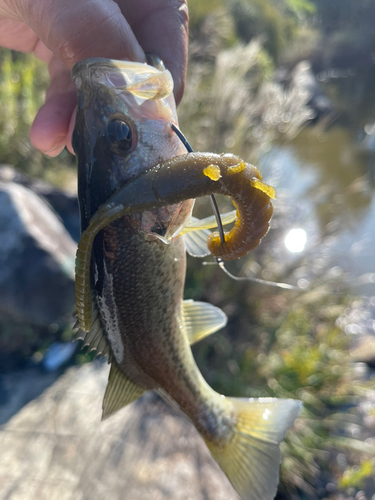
(65, 204)
(36, 259)
(56, 447)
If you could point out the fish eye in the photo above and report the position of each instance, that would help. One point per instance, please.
(119, 136)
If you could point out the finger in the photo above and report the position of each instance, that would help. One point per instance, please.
(51, 125)
(50, 128)
(75, 30)
(161, 27)
(15, 35)
(42, 52)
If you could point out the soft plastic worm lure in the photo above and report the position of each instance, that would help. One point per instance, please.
(175, 180)
(212, 197)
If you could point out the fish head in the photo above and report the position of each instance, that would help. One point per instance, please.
(123, 128)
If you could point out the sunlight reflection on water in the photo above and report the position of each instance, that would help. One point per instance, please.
(326, 188)
(295, 240)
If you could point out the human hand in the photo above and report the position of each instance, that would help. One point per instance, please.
(63, 32)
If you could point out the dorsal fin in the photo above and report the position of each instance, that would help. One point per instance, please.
(201, 319)
(95, 339)
(120, 391)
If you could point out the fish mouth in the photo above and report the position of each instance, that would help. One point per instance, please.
(140, 79)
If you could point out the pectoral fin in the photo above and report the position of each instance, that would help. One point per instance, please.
(195, 224)
(120, 391)
(196, 243)
(196, 232)
(201, 319)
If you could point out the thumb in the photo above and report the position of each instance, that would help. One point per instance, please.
(77, 29)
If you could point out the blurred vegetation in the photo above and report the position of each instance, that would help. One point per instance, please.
(340, 15)
(344, 56)
(232, 104)
(275, 21)
(277, 343)
(23, 83)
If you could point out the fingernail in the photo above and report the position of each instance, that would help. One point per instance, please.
(58, 145)
(56, 148)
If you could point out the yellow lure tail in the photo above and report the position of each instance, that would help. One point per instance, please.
(251, 456)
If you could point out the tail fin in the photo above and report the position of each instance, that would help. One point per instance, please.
(251, 457)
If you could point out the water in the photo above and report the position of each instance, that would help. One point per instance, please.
(324, 180)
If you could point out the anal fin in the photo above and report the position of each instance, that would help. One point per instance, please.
(201, 319)
(120, 391)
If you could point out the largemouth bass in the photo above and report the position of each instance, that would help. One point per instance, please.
(136, 191)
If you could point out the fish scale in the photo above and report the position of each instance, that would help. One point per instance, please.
(148, 305)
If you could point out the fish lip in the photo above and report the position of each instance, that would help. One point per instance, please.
(110, 63)
(85, 70)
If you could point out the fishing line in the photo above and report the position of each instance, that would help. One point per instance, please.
(182, 138)
(212, 197)
(218, 218)
(249, 278)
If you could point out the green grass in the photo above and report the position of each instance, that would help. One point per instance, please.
(23, 83)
